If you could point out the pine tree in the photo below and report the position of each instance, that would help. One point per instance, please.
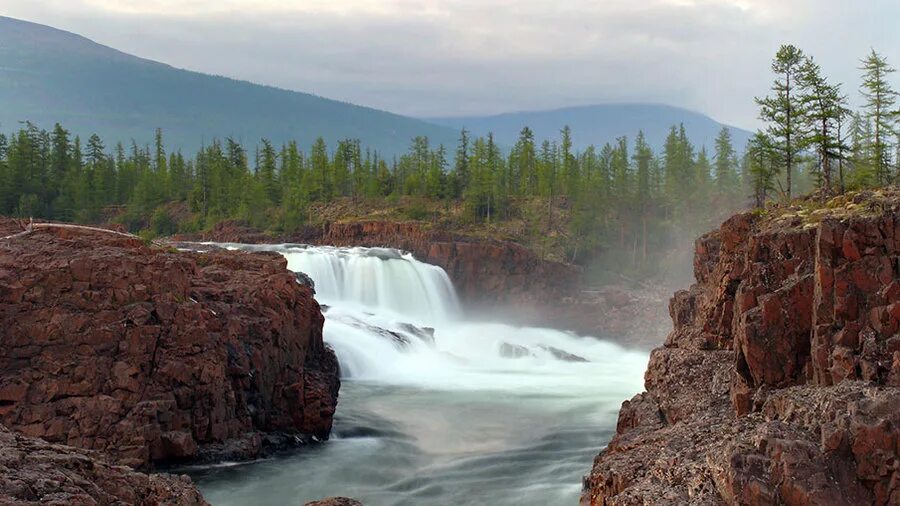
(322, 188)
(725, 167)
(824, 107)
(567, 164)
(863, 173)
(523, 163)
(783, 110)
(760, 155)
(267, 172)
(643, 159)
(59, 168)
(702, 184)
(461, 167)
(880, 98)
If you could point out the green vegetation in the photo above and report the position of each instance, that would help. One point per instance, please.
(807, 118)
(620, 201)
(566, 204)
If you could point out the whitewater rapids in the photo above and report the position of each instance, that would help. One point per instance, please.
(436, 409)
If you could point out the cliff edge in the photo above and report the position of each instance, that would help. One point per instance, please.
(780, 383)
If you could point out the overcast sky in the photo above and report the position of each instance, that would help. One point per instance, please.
(459, 57)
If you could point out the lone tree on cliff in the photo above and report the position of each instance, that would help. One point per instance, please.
(880, 100)
(783, 110)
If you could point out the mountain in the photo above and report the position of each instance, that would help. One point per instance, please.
(598, 124)
(49, 75)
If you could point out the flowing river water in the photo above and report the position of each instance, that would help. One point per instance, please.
(435, 409)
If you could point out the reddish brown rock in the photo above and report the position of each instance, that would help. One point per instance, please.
(33, 471)
(335, 501)
(778, 384)
(154, 355)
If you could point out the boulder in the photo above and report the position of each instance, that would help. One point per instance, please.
(335, 501)
(33, 471)
(154, 355)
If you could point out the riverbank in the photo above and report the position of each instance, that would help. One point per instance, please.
(152, 356)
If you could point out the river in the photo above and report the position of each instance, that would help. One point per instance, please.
(435, 409)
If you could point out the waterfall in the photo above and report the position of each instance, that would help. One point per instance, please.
(396, 320)
(382, 280)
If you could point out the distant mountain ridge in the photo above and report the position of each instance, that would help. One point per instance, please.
(598, 124)
(49, 75)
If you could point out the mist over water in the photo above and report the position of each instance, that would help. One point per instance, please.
(435, 409)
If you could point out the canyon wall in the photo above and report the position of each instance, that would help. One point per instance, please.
(780, 383)
(154, 356)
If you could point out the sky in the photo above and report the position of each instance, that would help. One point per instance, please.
(473, 57)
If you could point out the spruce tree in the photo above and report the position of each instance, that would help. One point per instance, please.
(725, 166)
(880, 99)
(824, 107)
(760, 155)
(783, 111)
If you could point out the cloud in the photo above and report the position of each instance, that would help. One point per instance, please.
(443, 57)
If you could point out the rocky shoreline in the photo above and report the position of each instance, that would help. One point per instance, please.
(781, 381)
(33, 471)
(149, 357)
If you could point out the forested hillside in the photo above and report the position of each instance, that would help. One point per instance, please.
(48, 76)
(623, 201)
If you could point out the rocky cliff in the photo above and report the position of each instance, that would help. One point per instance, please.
(152, 355)
(33, 471)
(781, 381)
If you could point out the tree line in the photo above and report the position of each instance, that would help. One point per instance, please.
(624, 196)
(809, 122)
(615, 190)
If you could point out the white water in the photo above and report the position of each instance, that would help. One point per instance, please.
(478, 412)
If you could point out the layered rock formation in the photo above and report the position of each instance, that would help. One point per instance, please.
(781, 381)
(154, 356)
(33, 471)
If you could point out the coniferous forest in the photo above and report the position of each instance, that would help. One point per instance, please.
(625, 198)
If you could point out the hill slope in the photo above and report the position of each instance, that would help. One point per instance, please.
(597, 124)
(49, 75)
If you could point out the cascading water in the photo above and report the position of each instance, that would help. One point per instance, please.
(435, 409)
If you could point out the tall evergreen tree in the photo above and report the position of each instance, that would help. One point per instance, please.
(760, 167)
(880, 99)
(783, 111)
(725, 167)
(824, 107)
